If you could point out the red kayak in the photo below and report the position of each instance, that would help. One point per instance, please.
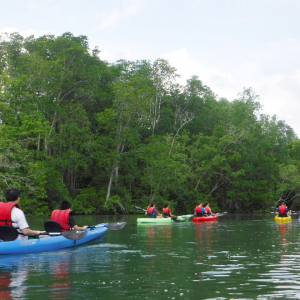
(204, 219)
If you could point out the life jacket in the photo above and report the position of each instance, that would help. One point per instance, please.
(62, 217)
(5, 212)
(166, 212)
(199, 211)
(207, 210)
(150, 212)
(281, 211)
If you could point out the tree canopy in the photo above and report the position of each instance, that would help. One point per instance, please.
(111, 136)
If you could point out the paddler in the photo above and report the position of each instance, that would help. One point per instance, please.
(11, 214)
(64, 216)
(207, 208)
(167, 211)
(152, 212)
(200, 211)
(283, 210)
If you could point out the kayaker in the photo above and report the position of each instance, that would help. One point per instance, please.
(167, 211)
(200, 211)
(283, 210)
(207, 209)
(64, 216)
(11, 214)
(152, 212)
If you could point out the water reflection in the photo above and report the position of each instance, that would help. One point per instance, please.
(250, 258)
(60, 271)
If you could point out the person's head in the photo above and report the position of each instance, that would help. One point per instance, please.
(12, 194)
(200, 203)
(205, 204)
(166, 205)
(65, 205)
(283, 203)
(152, 204)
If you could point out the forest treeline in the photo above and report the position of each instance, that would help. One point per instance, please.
(111, 136)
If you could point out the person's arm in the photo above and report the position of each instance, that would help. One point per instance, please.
(18, 217)
(156, 212)
(73, 224)
(80, 228)
(29, 232)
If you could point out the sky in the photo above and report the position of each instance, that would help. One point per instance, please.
(229, 44)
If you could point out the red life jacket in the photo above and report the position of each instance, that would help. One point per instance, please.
(166, 212)
(62, 217)
(150, 209)
(199, 211)
(281, 209)
(150, 212)
(5, 212)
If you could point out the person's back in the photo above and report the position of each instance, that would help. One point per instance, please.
(64, 216)
(282, 210)
(166, 211)
(200, 211)
(152, 211)
(207, 208)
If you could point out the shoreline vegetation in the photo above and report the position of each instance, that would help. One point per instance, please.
(108, 136)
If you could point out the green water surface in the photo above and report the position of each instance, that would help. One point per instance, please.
(235, 257)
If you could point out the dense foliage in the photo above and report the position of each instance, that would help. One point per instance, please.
(110, 136)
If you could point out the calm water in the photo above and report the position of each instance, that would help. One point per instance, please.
(236, 257)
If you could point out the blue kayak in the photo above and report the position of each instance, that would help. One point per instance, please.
(51, 243)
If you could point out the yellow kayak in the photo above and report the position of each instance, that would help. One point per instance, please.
(289, 218)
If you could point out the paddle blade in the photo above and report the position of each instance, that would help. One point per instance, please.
(186, 217)
(175, 219)
(139, 208)
(115, 226)
(74, 235)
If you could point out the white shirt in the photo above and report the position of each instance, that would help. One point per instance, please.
(20, 222)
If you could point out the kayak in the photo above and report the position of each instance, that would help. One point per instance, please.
(51, 243)
(205, 219)
(289, 218)
(184, 218)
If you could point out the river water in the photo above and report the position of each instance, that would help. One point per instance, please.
(235, 257)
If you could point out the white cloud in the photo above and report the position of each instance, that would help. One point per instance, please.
(114, 56)
(112, 17)
(279, 88)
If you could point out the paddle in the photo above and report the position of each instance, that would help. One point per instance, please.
(9, 233)
(111, 226)
(73, 234)
(139, 208)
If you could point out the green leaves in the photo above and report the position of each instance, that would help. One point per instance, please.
(74, 127)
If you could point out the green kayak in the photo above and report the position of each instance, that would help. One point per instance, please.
(184, 218)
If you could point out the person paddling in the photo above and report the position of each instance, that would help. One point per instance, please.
(152, 212)
(207, 209)
(64, 216)
(200, 211)
(11, 214)
(283, 211)
(167, 211)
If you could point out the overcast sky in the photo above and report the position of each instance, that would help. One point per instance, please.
(228, 44)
